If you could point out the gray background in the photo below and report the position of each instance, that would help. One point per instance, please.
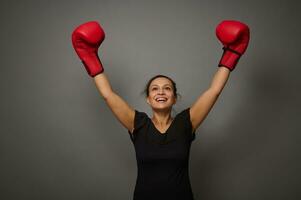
(59, 140)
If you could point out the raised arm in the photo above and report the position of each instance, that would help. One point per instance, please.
(234, 35)
(122, 111)
(200, 109)
(86, 40)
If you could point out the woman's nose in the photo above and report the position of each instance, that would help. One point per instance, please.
(161, 91)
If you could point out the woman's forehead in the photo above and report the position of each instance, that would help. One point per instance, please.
(161, 81)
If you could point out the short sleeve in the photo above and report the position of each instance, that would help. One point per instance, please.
(185, 115)
(139, 121)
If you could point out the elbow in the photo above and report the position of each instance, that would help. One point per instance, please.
(107, 94)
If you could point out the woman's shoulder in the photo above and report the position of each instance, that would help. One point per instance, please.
(140, 118)
(140, 114)
(184, 113)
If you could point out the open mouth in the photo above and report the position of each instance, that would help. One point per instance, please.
(161, 99)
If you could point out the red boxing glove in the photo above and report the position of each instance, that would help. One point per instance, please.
(234, 35)
(86, 40)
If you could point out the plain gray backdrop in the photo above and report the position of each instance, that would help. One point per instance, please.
(59, 140)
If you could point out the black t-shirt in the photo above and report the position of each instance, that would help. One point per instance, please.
(162, 159)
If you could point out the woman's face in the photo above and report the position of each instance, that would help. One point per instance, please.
(161, 94)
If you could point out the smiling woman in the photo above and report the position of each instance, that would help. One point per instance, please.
(150, 85)
(161, 94)
(162, 143)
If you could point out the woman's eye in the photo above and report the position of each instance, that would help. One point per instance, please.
(168, 88)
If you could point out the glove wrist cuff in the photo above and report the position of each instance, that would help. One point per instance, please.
(93, 65)
(229, 58)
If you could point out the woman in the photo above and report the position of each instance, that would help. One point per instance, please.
(162, 143)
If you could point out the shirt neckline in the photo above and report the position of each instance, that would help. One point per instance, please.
(167, 130)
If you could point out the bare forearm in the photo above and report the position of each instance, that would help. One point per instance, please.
(220, 79)
(103, 85)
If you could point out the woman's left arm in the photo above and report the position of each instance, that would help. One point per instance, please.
(200, 109)
(234, 35)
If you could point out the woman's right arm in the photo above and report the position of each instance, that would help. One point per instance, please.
(124, 113)
(86, 40)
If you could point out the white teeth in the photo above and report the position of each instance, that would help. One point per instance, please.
(161, 99)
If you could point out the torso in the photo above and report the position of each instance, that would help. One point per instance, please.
(162, 160)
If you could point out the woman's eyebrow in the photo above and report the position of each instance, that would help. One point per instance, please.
(158, 85)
